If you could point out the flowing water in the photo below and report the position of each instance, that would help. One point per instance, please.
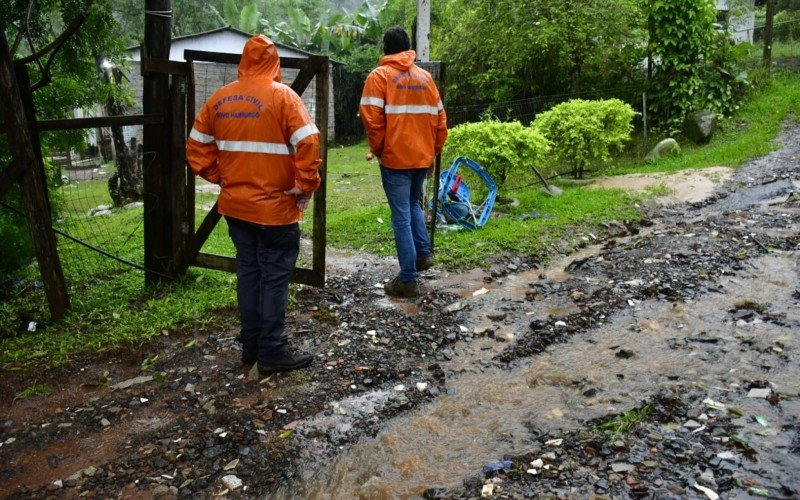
(489, 411)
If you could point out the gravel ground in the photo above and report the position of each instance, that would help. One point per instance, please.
(192, 421)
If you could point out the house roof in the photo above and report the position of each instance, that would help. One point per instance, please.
(232, 30)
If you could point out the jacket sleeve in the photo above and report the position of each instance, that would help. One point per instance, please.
(441, 127)
(201, 148)
(303, 136)
(373, 101)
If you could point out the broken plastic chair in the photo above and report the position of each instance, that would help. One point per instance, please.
(455, 204)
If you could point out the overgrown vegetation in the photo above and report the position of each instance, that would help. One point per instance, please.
(585, 132)
(498, 147)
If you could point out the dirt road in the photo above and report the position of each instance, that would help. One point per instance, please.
(659, 359)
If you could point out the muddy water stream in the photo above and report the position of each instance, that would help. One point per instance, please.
(489, 411)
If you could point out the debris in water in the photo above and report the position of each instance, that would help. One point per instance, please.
(708, 491)
(498, 466)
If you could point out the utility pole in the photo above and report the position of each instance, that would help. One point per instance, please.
(423, 34)
(768, 34)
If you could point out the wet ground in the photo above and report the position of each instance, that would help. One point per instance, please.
(661, 361)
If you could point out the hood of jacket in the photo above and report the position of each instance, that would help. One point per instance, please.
(260, 59)
(401, 60)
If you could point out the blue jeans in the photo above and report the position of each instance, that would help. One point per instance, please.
(403, 190)
(265, 259)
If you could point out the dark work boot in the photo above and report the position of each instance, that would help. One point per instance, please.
(399, 288)
(425, 263)
(284, 361)
(249, 357)
(249, 352)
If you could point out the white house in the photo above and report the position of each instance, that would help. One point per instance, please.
(738, 17)
(211, 76)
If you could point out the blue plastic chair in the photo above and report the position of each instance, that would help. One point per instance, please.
(454, 196)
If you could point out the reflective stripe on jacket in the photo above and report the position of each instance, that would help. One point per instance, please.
(402, 113)
(256, 139)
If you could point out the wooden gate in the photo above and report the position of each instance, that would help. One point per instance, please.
(183, 242)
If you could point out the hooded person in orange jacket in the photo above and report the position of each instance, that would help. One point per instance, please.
(406, 127)
(256, 139)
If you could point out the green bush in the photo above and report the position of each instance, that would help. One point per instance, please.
(582, 132)
(499, 147)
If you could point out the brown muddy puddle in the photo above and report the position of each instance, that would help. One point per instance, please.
(684, 186)
(487, 411)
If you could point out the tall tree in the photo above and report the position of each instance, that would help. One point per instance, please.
(502, 49)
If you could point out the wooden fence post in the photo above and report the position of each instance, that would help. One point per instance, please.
(157, 145)
(23, 139)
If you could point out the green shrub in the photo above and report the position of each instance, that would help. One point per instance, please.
(582, 132)
(498, 147)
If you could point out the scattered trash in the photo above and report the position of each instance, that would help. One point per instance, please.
(32, 326)
(455, 205)
(482, 291)
(759, 492)
(763, 421)
(554, 442)
(487, 491)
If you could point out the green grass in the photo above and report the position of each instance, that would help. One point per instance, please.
(626, 422)
(111, 308)
(746, 135)
(34, 389)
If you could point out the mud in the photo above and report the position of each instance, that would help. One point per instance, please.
(415, 397)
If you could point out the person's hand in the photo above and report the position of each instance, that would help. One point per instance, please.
(301, 198)
(369, 157)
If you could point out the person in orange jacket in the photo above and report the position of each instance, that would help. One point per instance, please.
(256, 139)
(406, 127)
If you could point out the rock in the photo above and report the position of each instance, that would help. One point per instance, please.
(711, 494)
(496, 315)
(699, 126)
(232, 482)
(707, 478)
(624, 354)
(622, 467)
(667, 147)
(104, 422)
(455, 306)
(189, 388)
(692, 424)
(132, 381)
(759, 393)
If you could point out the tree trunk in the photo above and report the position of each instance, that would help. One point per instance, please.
(125, 186)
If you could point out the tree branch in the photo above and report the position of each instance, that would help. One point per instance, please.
(56, 44)
(22, 31)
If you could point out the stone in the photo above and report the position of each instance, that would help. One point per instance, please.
(759, 393)
(622, 467)
(699, 126)
(667, 147)
(232, 482)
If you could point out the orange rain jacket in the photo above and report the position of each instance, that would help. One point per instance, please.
(256, 139)
(402, 113)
